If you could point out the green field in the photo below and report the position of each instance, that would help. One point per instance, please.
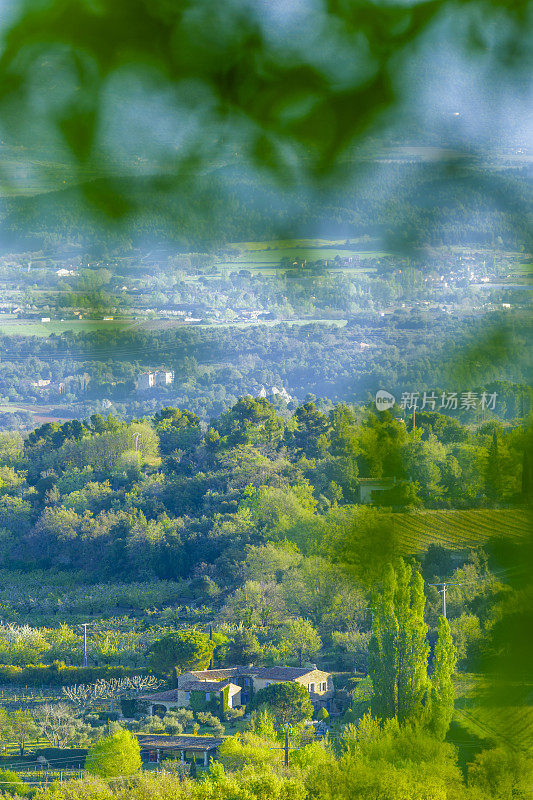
(459, 529)
(266, 256)
(13, 327)
(502, 717)
(27, 327)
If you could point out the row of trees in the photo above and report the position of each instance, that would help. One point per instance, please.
(399, 652)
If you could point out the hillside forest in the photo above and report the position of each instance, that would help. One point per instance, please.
(250, 532)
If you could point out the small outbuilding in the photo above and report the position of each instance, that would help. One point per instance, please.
(369, 487)
(155, 748)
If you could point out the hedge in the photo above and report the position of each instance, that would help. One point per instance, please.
(63, 757)
(58, 757)
(224, 699)
(58, 674)
(197, 700)
(128, 706)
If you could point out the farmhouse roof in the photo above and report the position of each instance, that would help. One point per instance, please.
(206, 686)
(378, 481)
(283, 673)
(222, 674)
(200, 743)
(216, 674)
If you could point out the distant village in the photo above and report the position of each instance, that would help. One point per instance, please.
(159, 288)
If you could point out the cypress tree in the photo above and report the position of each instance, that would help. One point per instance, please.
(493, 473)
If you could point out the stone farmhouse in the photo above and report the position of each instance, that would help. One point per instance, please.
(235, 686)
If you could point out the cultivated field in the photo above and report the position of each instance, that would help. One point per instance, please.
(459, 529)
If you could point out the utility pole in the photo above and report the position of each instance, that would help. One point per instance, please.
(286, 748)
(442, 591)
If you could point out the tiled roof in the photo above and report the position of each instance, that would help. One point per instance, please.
(282, 673)
(205, 686)
(201, 743)
(378, 481)
(216, 674)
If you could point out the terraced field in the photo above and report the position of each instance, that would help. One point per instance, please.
(459, 529)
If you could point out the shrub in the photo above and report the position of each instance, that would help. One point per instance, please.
(322, 714)
(116, 756)
(349, 716)
(109, 716)
(205, 718)
(176, 766)
(197, 700)
(233, 714)
(218, 729)
(501, 772)
(12, 784)
(154, 726)
(172, 726)
(128, 706)
(183, 716)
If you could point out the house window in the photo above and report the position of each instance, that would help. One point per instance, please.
(311, 687)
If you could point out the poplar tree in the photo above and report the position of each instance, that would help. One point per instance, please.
(442, 694)
(413, 647)
(383, 649)
(399, 651)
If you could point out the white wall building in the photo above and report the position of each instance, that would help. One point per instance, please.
(145, 381)
(148, 380)
(164, 377)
